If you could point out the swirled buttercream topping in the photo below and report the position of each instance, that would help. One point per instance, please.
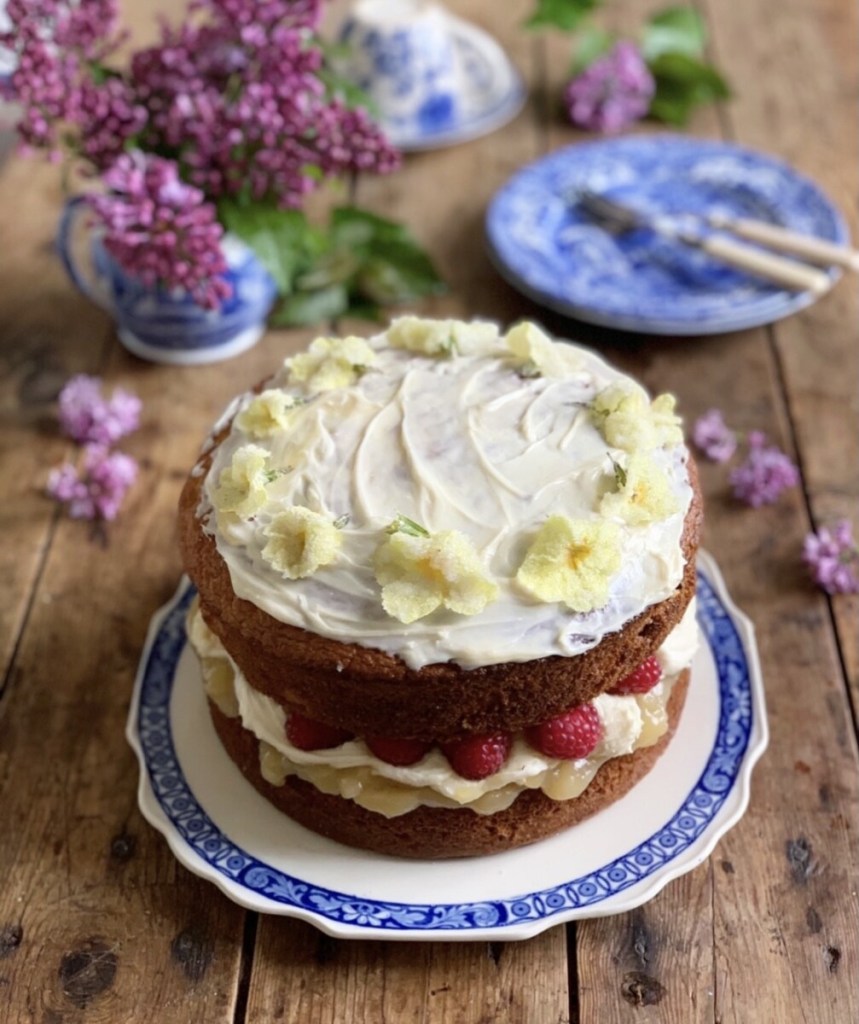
(481, 437)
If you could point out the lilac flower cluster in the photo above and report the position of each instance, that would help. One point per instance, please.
(87, 417)
(96, 489)
(162, 228)
(611, 93)
(764, 474)
(713, 437)
(832, 558)
(60, 49)
(231, 103)
(239, 101)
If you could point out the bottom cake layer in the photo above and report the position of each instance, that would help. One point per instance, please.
(436, 832)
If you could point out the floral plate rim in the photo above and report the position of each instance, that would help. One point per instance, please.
(715, 802)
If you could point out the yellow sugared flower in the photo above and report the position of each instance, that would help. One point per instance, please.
(267, 413)
(241, 487)
(300, 541)
(442, 337)
(538, 355)
(420, 574)
(628, 420)
(644, 495)
(572, 561)
(331, 363)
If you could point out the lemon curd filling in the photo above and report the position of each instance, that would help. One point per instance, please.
(352, 771)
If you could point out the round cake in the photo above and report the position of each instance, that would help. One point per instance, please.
(446, 585)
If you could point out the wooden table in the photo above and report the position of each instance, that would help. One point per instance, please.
(98, 923)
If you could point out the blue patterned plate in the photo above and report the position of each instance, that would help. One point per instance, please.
(219, 827)
(638, 280)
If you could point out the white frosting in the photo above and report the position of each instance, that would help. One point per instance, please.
(466, 443)
(432, 779)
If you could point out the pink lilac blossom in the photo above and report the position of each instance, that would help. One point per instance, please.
(89, 418)
(764, 474)
(713, 437)
(161, 230)
(240, 102)
(60, 48)
(97, 490)
(832, 558)
(611, 93)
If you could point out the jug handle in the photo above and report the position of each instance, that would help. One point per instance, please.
(92, 284)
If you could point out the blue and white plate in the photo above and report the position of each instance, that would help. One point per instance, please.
(491, 94)
(639, 280)
(220, 828)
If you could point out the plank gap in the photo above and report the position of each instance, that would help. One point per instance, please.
(5, 683)
(572, 972)
(811, 520)
(243, 984)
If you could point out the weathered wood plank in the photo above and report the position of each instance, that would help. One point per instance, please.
(809, 119)
(303, 977)
(656, 963)
(442, 196)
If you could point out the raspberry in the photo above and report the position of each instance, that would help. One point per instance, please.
(307, 734)
(644, 678)
(479, 756)
(570, 735)
(400, 752)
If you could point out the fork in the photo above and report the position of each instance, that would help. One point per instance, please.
(788, 273)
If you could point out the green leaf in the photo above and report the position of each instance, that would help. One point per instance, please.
(683, 83)
(591, 42)
(674, 30)
(566, 15)
(354, 228)
(337, 86)
(305, 308)
(402, 524)
(282, 239)
(333, 267)
(397, 272)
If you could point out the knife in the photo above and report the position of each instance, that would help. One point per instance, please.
(788, 273)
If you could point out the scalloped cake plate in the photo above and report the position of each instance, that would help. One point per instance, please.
(220, 828)
(638, 280)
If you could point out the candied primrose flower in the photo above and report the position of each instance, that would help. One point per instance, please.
(538, 355)
(300, 541)
(419, 574)
(644, 495)
(268, 412)
(443, 338)
(627, 420)
(241, 487)
(331, 363)
(573, 561)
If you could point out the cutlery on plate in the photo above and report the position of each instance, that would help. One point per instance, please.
(769, 265)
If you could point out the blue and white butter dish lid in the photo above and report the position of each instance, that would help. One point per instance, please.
(433, 79)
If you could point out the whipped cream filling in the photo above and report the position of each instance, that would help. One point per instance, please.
(351, 770)
(469, 444)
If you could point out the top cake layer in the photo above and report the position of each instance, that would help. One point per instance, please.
(444, 493)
